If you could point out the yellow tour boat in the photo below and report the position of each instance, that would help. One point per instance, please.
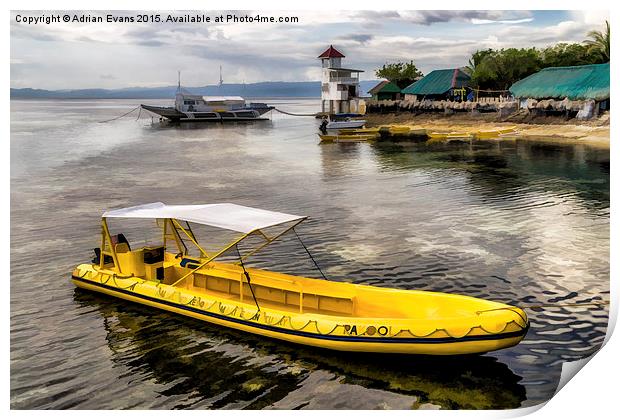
(333, 315)
(348, 138)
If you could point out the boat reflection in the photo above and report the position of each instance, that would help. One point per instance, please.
(231, 125)
(218, 368)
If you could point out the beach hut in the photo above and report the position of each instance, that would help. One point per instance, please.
(588, 85)
(438, 85)
(385, 91)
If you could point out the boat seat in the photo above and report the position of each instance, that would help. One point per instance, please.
(189, 263)
(121, 248)
(342, 303)
(106, 259)
(120, 239)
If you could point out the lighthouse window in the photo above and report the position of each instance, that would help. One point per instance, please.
(189, 102)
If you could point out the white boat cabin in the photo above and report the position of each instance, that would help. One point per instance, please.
(196, 103)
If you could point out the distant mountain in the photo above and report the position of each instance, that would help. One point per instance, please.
(250, 90)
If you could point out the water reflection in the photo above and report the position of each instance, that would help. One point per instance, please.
(504, 169)
(522, 222)
(224, 368)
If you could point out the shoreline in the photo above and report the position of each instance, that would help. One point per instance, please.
(595, 132)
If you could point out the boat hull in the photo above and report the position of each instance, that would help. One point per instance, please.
(337, 125)
(494, 134)
(172, 114)
(312, 329)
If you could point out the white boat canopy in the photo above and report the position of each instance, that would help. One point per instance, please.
(221, 215)
(223, 99)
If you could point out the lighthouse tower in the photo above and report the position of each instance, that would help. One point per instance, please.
(339, 86)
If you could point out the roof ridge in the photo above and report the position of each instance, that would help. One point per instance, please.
(573, 67)
(331, 52)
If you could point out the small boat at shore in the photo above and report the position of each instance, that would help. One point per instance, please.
(346, 123)
(397, 129)
(321, 313)
(388, 131)
(368, 130)
(348, 138)
(498, 132)
(449, 135)
(460, 136)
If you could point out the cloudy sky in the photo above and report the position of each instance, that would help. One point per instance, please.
(117, 55)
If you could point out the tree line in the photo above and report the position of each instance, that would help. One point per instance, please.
(498, 69)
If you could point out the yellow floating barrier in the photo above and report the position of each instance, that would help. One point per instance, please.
(333, 315)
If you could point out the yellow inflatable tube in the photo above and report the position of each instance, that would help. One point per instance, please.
(337, 316)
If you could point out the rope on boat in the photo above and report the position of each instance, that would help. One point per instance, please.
(119, 117)
(247, 276)
(296, 115)
(309, 254)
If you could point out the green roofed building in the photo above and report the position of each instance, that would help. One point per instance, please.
(385, 90)
(574, 83)
(586, 86)
(438, 84)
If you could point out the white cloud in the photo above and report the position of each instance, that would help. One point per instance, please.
(489, 21)
(76, 55)
(591, 17)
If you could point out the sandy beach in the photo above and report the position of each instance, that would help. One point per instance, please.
(595, 132)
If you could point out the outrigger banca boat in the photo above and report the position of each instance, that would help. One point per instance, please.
(321, 313)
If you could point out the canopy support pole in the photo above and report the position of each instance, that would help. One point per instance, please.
(222, 251)
(234, 243)
(247, 277)
(190, 235)
(269, 240)
(175, 235)
(309, 254)
(106, 238)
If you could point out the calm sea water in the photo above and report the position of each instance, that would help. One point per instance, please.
(522, 222)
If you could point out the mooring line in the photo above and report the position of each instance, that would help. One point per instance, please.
(296, 115)
(119, 117)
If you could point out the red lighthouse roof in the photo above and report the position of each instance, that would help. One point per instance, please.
(331, 52)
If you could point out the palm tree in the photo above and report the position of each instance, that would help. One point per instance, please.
(599, 41)
(470, 67)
